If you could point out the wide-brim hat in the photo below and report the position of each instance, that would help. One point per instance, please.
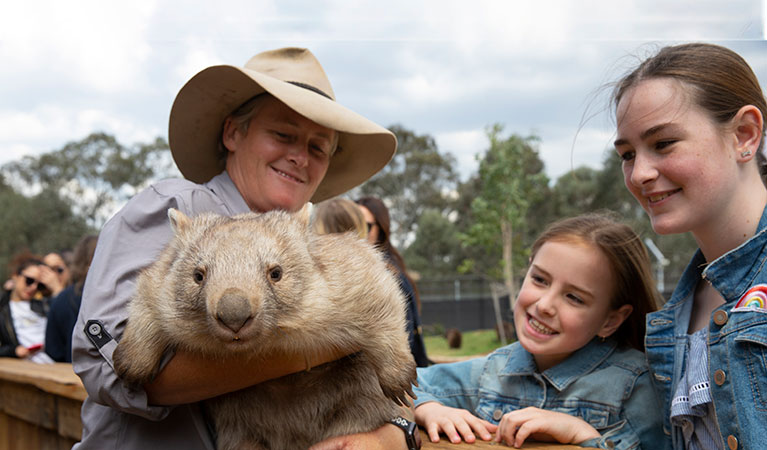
(295, 77)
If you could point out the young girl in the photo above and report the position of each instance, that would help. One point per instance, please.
(577, 374)
(690, 132)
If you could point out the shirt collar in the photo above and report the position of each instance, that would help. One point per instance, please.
(223, 186)
(580, 363)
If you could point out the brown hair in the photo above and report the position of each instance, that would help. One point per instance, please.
(338, 215)
(381, 213)
(629, 263)
(22, 260)
(722, 82)
(81, 259)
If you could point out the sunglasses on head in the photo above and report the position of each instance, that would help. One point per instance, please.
(31, 282)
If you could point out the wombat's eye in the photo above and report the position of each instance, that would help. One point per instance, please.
(275, 273)
(199, 275)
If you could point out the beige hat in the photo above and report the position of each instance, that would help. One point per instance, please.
(295, 77)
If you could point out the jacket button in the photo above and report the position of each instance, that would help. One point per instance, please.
(94, 329)
(719, 377)
(732, 442)
(497, 414)
(720, 317)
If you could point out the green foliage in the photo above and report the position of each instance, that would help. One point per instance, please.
(419, 178)
(42, 223)
(52, 200)
(511, 179)
(478, 342)
(436, 249)
(95, 174)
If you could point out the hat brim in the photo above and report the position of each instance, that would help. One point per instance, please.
(198, 113)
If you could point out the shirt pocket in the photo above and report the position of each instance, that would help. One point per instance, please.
(751, 350)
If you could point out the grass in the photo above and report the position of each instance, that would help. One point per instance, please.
(473, 343)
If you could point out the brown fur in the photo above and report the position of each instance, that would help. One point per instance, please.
(332, 291)
(454, 337)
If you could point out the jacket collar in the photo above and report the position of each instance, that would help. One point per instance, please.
(735, 272)
(580, 363)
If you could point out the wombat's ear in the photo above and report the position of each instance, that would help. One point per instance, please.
(178, 220)
(304, 215)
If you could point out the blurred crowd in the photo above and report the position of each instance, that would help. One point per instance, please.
(40, 302)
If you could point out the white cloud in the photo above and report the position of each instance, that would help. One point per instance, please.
(49, 127)
(90, 43)
(465, 146)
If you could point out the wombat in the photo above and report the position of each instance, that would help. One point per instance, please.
(454, 337)
(258, 284)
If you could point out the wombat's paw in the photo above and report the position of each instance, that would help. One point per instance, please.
(398, 384)
(128, 370)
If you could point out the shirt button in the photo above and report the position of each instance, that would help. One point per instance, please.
(719, 377)
(497, 414)
(94, 329)
(732, 442)
(610, 444)
(720, 317)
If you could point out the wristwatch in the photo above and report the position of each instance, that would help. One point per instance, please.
(412, 436)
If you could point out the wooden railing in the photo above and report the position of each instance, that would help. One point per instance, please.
(39, 405)
(40, 409)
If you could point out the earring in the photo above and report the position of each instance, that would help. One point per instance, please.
(603, 338)
(745, 154)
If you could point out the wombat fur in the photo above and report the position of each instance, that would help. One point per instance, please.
(454, 337)
(256, 284)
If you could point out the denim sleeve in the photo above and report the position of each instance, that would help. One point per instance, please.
(451, 384)
(641, 421)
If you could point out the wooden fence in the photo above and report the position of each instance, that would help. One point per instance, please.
(39, 405)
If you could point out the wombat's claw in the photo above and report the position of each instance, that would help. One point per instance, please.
(411, 393)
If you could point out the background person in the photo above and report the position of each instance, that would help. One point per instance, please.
(23, 310)
(65, 306)
(690, 133)
(263, 137)
(338, 215)
(377, 217)
(58, 265)
(577, 374)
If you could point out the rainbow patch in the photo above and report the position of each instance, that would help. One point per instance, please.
(755, 299)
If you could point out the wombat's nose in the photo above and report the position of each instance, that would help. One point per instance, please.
(233, 311)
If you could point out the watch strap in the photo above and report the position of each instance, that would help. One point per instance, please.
(412, 434)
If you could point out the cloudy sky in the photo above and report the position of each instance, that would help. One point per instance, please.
(446, 68)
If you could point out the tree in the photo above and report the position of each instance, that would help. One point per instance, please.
(95, 174)
(436, 249)
(419, 178)
(41, 224)
(512, 179)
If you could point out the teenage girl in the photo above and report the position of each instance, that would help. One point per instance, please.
(577, 374)
(690, 127)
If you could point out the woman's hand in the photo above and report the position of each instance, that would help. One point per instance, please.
(22, 352)
(541, 424)
(387, 437)
(51, 279)
(454, 422)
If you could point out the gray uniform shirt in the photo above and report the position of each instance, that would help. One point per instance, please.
(115, 416)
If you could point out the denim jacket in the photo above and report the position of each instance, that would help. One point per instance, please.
(606, 386)
(737, 344)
